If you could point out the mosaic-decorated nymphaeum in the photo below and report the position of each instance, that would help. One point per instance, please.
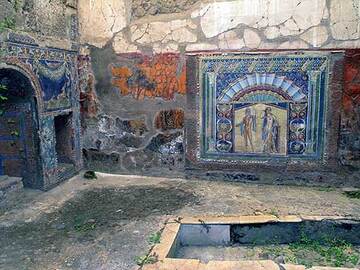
(53, 74)
(255, 107)
(55, 70)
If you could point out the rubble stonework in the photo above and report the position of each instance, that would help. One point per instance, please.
(141, 8)
(271, 24)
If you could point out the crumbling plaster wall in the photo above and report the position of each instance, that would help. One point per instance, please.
(131, 42)
(236, 25)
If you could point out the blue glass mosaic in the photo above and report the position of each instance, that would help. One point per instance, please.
(255, 107)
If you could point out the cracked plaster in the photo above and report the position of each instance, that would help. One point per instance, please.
(267, 23)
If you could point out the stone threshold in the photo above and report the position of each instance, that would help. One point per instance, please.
(171, 231)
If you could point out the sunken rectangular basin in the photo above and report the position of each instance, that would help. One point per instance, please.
(205, 243)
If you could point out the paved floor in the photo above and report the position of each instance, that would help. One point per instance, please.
(105, 223)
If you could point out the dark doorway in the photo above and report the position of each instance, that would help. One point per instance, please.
(64, 139)
(19, 141)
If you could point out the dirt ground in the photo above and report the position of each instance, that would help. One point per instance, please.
(105, 223)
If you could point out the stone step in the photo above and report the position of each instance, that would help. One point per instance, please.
(3, 177)
(9, 184)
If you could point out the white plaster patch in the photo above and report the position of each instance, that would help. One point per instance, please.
(121, 45)
(309, 13)
(344, 19)
(269, 45)
(230, 41)
(272, 32)
(316, 36)
(350, 44)
(292, 45)
(165, 48)
(222, 16)
(251, 38)
(201, 11)
(138, 31)
(100, 20)
(152, 32)
(201, 47)
(191, 25)
(176, 24)
(290, 28)
(183, 35)
(158, 31)
(162, 32)
(281, 10)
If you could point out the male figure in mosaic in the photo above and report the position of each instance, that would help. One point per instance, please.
(270, 132)
(247, 127)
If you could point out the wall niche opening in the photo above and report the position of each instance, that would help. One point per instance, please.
(19, 141)
(64, 139)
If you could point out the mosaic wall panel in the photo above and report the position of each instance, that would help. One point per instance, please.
(54, 75)
(55, 69)
(255, 107)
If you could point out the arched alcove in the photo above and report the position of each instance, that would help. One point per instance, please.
(19, 140)
(270, 82)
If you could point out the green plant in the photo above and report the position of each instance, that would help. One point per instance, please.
(274, 212)
(154, 238)
(90, 175)
(3, 98)
(326, 189)
(7, 23)
(333, 251)
(354, 194)
(15, 133)
(146, 259)
(84, 226)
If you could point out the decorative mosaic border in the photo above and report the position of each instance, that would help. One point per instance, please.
(194, 157)
(49, 65)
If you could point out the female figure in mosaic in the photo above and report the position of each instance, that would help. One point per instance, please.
(270, 132)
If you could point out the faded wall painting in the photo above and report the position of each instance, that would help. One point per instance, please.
(141, 76)
(256, 107)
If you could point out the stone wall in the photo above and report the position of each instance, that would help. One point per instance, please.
(52, 23)
(137, 52)
(224, 25)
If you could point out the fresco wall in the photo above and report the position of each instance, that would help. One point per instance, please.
(140, 63)
(350, 121)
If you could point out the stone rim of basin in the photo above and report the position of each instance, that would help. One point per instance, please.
(170, 239)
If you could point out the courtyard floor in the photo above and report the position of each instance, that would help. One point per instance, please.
(105, 223)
